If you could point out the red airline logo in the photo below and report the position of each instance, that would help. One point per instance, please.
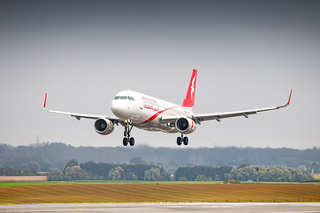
(189, 100)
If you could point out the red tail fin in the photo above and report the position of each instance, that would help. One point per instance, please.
(189, 100)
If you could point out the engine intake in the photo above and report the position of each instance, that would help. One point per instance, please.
(185, 125)
(103, 126)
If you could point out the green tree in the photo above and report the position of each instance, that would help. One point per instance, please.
(242, 174)
(152, 174)
(11, 171)
(54, 174)
(243, 165)
(34, 171)
(18, 161)
(99, 177)
(74, 173)
(115, 173)
(183, 179)
(191, 173)
(164, 175)
(27, 172)
(130, 176)
(45, 166)
(2, 171)
(272, 174)
(70, 164)
(201, 178)
(29, 165)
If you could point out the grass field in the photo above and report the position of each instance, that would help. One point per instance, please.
(149, 193)
(4, 184)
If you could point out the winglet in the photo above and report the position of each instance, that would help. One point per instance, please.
(289, 98)
(45, 101)
(287, 104)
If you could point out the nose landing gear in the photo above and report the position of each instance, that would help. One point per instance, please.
(127, 129)
(183, 140)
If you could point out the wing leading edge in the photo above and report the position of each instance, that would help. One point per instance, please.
(218, 116)
(78, 115)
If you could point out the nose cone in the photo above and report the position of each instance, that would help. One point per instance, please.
(121, 109)
(117, 108)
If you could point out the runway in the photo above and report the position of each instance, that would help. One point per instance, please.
(167, 207)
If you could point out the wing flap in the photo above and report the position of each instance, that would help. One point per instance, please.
(217, 116)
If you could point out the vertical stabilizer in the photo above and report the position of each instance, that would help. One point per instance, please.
(189, 99)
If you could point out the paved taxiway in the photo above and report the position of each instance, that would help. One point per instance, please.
(190, 207)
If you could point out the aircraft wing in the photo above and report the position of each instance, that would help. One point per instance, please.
(218, 116)
(78, 115)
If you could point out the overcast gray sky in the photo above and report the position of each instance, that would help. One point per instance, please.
(249, 54)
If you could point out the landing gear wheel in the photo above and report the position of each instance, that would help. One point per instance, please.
(127, 129)
(131, 141)
(179, 141)
(125, 141)
(185, 141)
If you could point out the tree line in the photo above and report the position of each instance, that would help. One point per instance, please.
(43, 156)
(268, 174)
(129, 171)
(201, 173)
(11, 171)
(104, 171)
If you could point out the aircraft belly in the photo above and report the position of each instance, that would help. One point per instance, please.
(154, 125)
(156, 128)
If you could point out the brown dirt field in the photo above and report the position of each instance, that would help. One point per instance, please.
(126, 193)
(23, 178)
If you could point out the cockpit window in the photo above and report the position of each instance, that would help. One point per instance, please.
(124, 98)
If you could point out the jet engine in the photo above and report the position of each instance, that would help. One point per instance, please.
(103, 126)
(185, 125)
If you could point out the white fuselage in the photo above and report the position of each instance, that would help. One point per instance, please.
(145, 111)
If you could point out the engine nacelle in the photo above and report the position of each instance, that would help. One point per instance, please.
(103, 126)
(185, 125)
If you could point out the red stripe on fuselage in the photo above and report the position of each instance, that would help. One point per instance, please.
(157, 114)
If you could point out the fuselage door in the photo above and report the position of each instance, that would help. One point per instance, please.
(141, 103)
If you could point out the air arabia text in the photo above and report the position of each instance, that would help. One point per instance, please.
(149, 99)
(156, 109)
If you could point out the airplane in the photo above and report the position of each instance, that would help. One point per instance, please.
(134, 109)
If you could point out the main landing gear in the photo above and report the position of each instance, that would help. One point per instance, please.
(127, 129)
(181, 139)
